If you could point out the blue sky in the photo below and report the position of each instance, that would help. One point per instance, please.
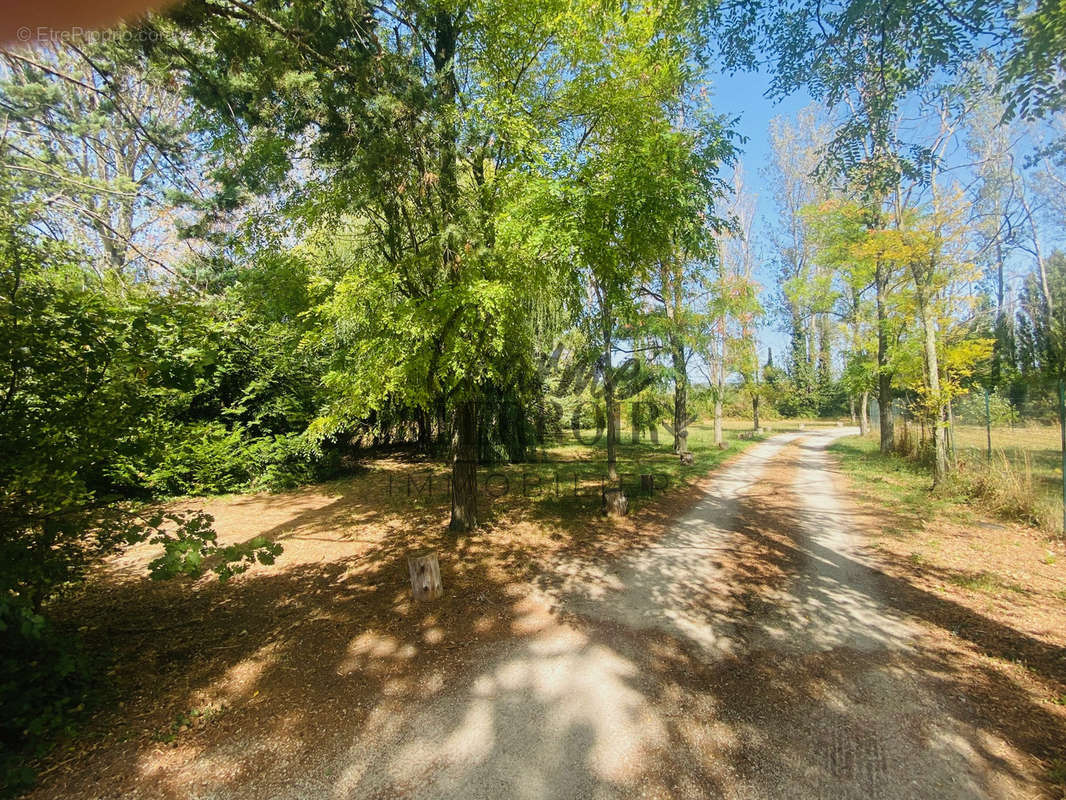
(743, 95)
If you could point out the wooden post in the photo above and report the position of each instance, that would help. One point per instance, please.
(425, 575)
(647, 484)
(615, 503)
(988, 424)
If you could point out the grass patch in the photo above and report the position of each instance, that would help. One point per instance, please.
(889, 479)
(984, 581)
(562, 478)
(1056, 772)
(1008, 487)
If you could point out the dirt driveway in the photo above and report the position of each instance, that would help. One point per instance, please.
(753, 651)
(685, 671)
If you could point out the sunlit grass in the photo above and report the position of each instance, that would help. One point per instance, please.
(1036, 448)
(1022, 481)
(901, 482)
(560, 477)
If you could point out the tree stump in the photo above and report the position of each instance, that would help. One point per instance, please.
(425, 575)
(687, 459)
(647, 484)
(615, 503)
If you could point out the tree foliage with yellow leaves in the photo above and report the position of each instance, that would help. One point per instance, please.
(934, 298)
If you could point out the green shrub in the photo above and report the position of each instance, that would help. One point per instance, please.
(43, 685)
(200, 458)
(971, 410)
(285, 462)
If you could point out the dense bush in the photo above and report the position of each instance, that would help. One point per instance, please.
(104, 390)
(43, 684)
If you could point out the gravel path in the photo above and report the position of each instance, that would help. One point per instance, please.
(750, 653)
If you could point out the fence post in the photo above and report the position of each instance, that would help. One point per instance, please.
(988, 423)
(1062, 433)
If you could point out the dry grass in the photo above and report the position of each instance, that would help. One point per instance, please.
(1008, 488)
(1019, 437)
(1023, 478)
(1019, 480)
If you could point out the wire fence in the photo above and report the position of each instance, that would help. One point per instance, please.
(1010, 436)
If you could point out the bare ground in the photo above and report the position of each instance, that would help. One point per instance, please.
(744, 640)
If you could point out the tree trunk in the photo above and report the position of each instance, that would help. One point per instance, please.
(718, 442)
(464, 467)
(719, 387)
(1038, 253)
(884, 378)
(851, 406)
(755, 411)
(940, 452)
(615, 503)
(441, 433)
(823, 371)
(422, 419)
(606, 322)
(680, 394)
(612, 427)
(616, 412)
(951, 438)
(1000, 340)
(465, 423)
(864, 414)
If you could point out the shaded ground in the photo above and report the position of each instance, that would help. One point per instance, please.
(753, 648)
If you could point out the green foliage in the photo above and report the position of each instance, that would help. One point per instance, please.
(1042, 322)
(102, 141)
(192, 545)
(398, 214)
(1034, 72)
(873, 54)
(88, 374)
(200, 458)
(43, 685)
(65, 387)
